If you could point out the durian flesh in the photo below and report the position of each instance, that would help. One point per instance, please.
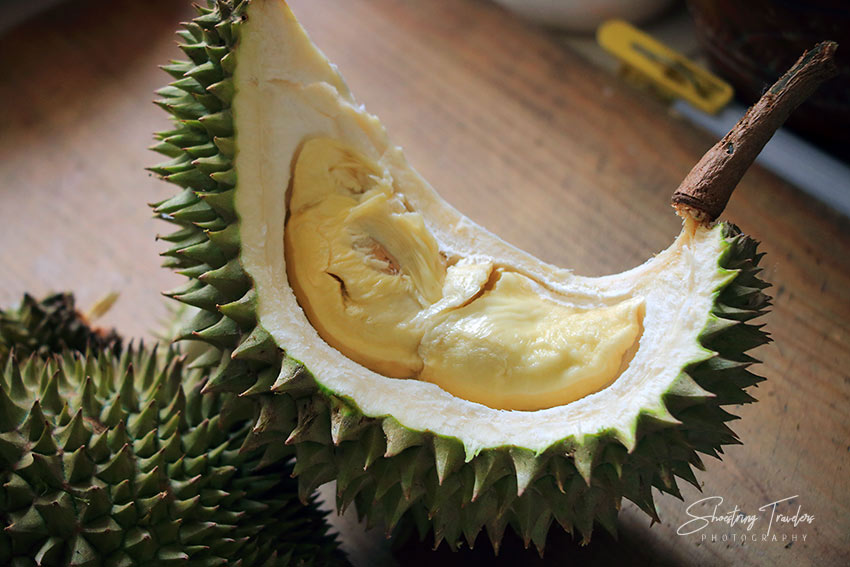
(373, 282)
(665, 300)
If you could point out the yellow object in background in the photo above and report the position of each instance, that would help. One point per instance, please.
(650, 63)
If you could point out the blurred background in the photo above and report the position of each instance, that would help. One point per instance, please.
(518, 116)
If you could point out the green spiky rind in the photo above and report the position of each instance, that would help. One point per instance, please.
(390, 472)
(50, 325)
(205, 246)
(108, 460)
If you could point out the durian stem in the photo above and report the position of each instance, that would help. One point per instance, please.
(705, 191)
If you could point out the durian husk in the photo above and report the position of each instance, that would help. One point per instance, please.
(119, 460)
(51, 325)
(388, 471)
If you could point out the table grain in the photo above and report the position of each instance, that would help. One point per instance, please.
(520, 134)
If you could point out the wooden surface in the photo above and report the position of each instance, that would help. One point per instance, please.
(519, 134)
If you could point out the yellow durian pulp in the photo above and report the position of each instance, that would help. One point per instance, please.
(373, 281)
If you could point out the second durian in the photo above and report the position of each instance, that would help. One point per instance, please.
(108, 460)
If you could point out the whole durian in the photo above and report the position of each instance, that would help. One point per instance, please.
(432, 370)
(50, 325)
(108, 460)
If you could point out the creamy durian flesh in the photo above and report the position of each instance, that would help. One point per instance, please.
(365, 275)
(374, 283)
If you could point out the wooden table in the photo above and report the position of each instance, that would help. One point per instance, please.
(517, 132)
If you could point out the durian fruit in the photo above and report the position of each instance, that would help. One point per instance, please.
(437, 373)
(51, 325)
(108, 460)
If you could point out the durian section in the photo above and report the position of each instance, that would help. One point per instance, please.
(108, 460)
(389, 469)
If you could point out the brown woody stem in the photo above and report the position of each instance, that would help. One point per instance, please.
(705, 191)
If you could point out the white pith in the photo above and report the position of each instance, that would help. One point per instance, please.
(287, 93)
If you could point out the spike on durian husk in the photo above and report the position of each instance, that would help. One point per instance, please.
(131, 465)
(50, 325)
(389, 472)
